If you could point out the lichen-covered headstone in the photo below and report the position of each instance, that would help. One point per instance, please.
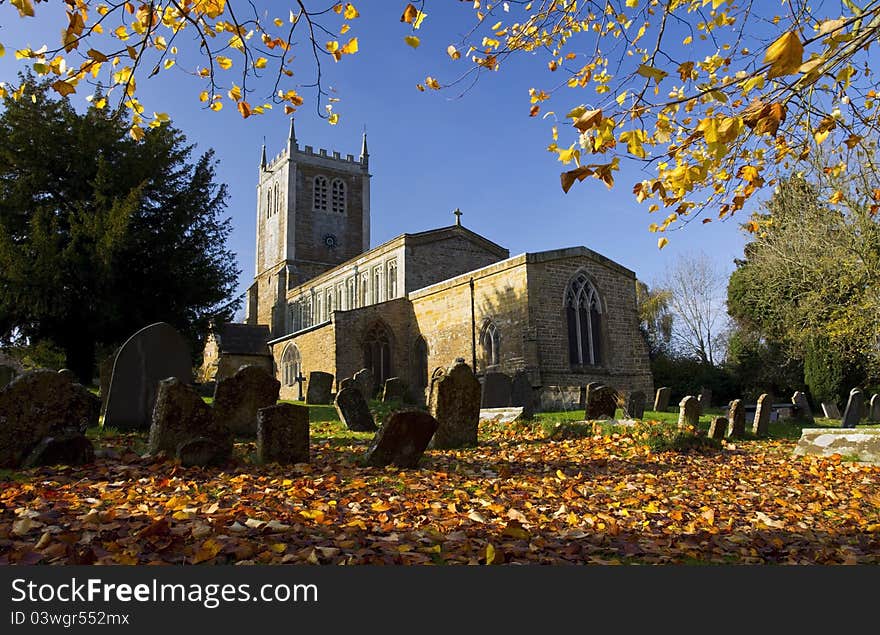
(718, 428)
(238, 398)
(761, 423)
(804, 412)
(283, 434)
(154, 353)
(320, 388)
(522, 394)
(601, 403)
(661, 400)
(688, 413)
(354, 411)
(497, 389)
(436, 375)
(394, 390)
(202, 451)
(67, 448)
(455, 404)
(737, 417)
(635, 405)
(363, 379)
(402, 439)
(853, 413)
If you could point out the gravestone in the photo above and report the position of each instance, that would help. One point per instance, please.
(394, 390)
(874, 412)
(7, 374)
(830, 410)
(705, 398)
(585, 393)
(320, 388)
(635, 405)
(67, 448)
(522, 394)
(863, 443)
(436, 375)
(238, 398)
(500, 416)
(761, 422)
(283, 434)
(68, 374)
(718, 428)
(105, 373)
(354, 411)
(688, 413)
(601, 402)
(364, 381)
(799, 399)
(661, 399)
(497, 391)
(346, 383)
(737, 417)
(455, 404)
(853, 413)
(41, 404)
(202, 452)
(402, 439)
(154, 353)
(180, 416)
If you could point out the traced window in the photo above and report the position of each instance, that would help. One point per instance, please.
(584, 315)
(489, 344)
(269, 202)
(340, 297)
(277, 201)
(364, 286)
(290, 365)
(337, 199)
(392, 280)
(350, 295)
(320, 197)
(377, 284)
(330, 305)
(295, 316)
(307, 313)
(319, 309)
(421, 362)
(377, 353)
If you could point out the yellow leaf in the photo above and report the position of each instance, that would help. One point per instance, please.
(634, 140)
(785, 55)
(121, 32)
(2, 51)
(409, 14)
(412, 41)
(350, 12)
(344, 29)
(351, 47)
(234, 93)
(588, 119)
(561, 475)
(209, 549)
(261, 62)
(651, 73)
(278, 22)
(380, 506)
(63, 88)
(662, 242)
(224, 62)
(217, 106)
(25, 7)
(836, 197)
(101, 103)
(279, 547)
(490, 553)
(203, 96)
(453, 52)
(168, 64)
(137, 133)
(333, 119)
(419, 19)
(432, 83)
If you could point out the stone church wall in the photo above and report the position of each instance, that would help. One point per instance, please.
(316, 349)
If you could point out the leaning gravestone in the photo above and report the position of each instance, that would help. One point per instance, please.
(238, 398)
(354, 411)
(853, 413)
(874, 412)
(805, 413)
(345, 383)
(41, 404)
(522, 394)
(688, 413)
(497, 389)
(830, 410)
(718, 428)
(394, 390)
(661, 399)
(737, 417)
(7, 374)
(761, 422)
(182, 416)
(283, 434)
(601, 402)
(154, 353)
(402, 439)
(455, 404)
(635, 405)
(363, 379)
(320, 388)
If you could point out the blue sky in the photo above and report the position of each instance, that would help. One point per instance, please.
(430, 152)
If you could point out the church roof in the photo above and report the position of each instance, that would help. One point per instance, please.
(444, 232)
(243, 339)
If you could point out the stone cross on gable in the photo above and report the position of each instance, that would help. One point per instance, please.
(457, 213)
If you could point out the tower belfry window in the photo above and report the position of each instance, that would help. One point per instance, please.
(338, 196)
(320, 197)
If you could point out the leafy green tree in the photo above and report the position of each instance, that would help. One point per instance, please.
(101, 234)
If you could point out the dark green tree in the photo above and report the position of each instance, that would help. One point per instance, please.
(100, 234)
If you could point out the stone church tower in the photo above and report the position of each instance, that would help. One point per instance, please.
(313, 213)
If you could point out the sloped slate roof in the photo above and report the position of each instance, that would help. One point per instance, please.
(243, 339)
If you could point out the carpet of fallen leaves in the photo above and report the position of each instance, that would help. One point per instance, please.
(516, 498)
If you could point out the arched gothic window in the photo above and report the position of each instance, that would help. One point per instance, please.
(320, 197)
(337, 199)
(392, 280)
(350, 296)
(490, 341)
(377, 284)
(583, 312)
(362, 291)
(290, 365)
(277, 201)
(269, 203)
(377, 353)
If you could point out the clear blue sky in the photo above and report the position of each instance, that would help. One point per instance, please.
(430, 152)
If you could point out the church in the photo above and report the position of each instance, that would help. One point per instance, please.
(323, 299)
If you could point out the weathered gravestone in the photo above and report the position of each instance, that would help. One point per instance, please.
(661, 399)
(497, 389)
(363, 379)
(455, 404)
(402, 439)
(154, 353)
(354, 411)
(238, 398)
(522, 394)
(182, 416)
(799, 399)
(585, 393)
(874, 412)
(105, 374)
(705, 398)
(7, 374)
(348, 382)
(437, 374)
(737, 417)
(320, 388)
(718, 428)
(500, 416)
(830, 410)
(635, 405)
(66, 448)
(283, 434)
(761, 422)
(41, 404)
(863, 443)
(688, 413)
(853, 413)
(68, 374)
(394, 390)
(601, 402)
